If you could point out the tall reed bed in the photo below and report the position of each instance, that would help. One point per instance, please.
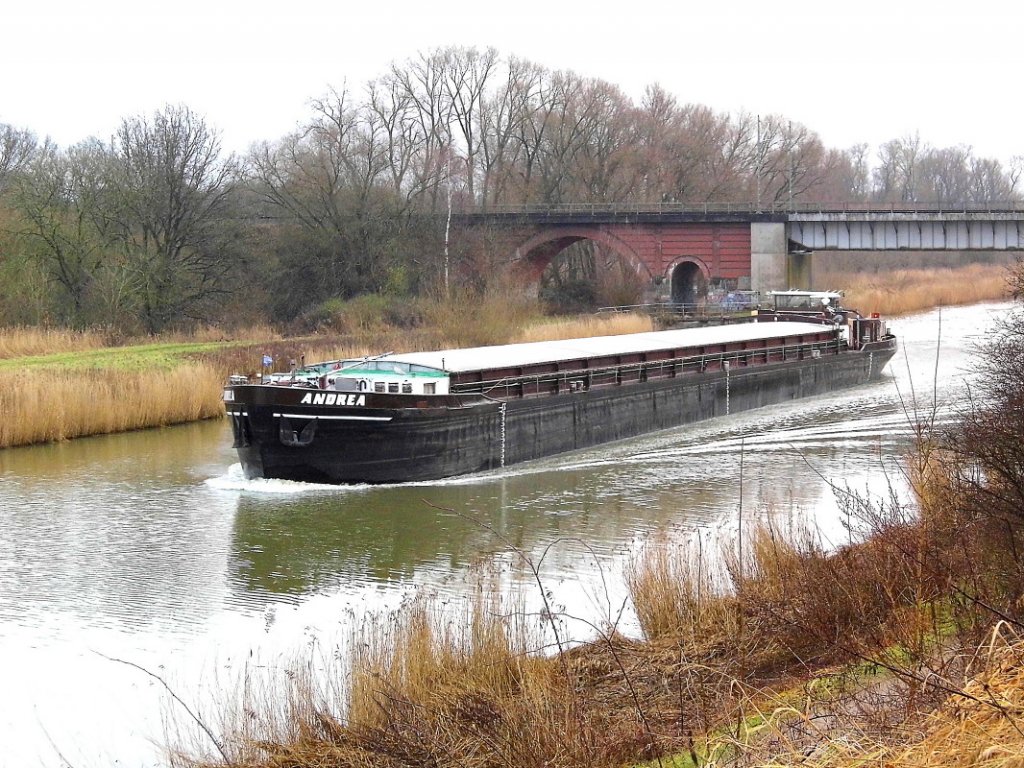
(48, 404)
(913, 290)
(24, 341)
(682, 589)
(590, 325)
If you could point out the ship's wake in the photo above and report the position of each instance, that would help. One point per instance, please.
(235, 480)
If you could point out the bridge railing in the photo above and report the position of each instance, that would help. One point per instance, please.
(605, 209)
(725, 310)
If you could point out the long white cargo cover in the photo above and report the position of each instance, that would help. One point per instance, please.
(532, 353)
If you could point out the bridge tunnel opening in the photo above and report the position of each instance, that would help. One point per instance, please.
(689, 286)
(582, 275)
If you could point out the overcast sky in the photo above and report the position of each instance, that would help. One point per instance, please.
(855, 71)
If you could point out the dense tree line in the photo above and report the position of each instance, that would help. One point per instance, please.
(159, 227)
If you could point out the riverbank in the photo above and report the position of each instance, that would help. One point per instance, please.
(902, 647)
(58, 384)
(899, 650)
(71, 385)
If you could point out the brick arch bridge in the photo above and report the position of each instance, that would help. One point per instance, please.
(680, 248)
(676, 257)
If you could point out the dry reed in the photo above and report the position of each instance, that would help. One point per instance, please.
(426, 687)
(914, 290)
(680, 591)
(57, 405)
(23, 341)
(591, 325)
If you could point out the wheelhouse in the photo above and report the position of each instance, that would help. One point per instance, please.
(795, 301)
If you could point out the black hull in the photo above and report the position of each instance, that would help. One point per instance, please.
(384, 443)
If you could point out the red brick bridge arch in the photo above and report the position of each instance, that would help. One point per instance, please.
(684, 257)
(532, 257)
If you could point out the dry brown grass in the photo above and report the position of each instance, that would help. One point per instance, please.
(980, 724)
(737, 669)
(906, 291)
(591, 325)
(55, 405)
(23, 342)
(983, 724)
(681, 591)
(430, 688)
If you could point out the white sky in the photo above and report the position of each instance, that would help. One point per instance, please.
(853, 71)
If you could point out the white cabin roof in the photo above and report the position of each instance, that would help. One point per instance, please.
(530, 353)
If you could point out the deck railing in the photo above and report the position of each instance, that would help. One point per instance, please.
(557, 382)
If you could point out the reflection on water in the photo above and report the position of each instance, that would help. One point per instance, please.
(151, 547)
(110, 531)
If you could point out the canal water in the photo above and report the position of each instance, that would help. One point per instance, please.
(137, 562)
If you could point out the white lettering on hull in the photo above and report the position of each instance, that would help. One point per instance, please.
(324, 398)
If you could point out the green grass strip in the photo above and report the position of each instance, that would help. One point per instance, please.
(162, 356)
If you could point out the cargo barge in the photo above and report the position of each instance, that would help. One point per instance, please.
(429, 415)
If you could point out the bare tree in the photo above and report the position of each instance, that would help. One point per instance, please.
(17, 148)
(944, 175)
(468, 73)
(860, 172)
(60, 199)
(708, 155)
(502, 117)
(988, 182)
(579, 138)
(170, 188)
(1014, 174)
(788, 160)
(422, 82)
(391, 108)
(896, 176)
(602, 171)
(538, 105)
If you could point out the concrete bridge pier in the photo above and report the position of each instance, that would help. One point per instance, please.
(772, 266)
(768, 255)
